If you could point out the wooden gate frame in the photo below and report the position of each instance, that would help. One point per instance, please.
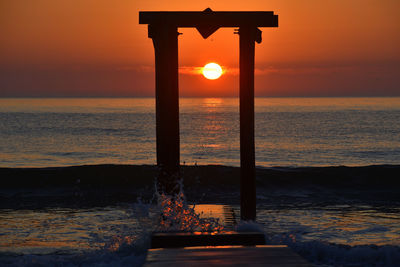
(163, 29)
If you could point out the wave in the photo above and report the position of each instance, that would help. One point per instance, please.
(138, 175)
(326, 254)
(97, 185)
(317, 252)
(126, 256)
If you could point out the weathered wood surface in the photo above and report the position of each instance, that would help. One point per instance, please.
(225, 256)
(180, 240)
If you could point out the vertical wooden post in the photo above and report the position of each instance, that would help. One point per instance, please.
(247, 150)
(165, 41)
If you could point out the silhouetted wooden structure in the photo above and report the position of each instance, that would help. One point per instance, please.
(163, 29)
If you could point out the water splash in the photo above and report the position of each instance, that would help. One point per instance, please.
(163, 213)
(178, 216)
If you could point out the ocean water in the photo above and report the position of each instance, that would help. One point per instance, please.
(332, 235)
(327, 228)
(289, 131)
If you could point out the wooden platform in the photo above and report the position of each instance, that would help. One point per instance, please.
(231, 238)
(226, 248)
(225, 256)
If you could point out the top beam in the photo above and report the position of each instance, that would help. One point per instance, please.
(186, 19)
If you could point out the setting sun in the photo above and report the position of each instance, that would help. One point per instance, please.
(212, 71)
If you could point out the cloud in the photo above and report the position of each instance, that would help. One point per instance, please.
(189, 70)
(186, 70)
(193, 70)
(289, 79)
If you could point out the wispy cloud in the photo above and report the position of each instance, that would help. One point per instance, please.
(259, 71)
(190, 70)
(193, 70)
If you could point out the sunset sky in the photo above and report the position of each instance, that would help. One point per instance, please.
(97, 48)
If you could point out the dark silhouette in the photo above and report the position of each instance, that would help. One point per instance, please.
(163, 28)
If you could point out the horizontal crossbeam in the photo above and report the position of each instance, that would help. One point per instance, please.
(186, 19)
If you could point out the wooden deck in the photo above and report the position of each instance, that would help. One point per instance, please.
(225, 256)
(225, 248)
(196, 239)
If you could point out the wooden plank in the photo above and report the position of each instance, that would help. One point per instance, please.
(215, 18)
(179, 240)
(226, 256)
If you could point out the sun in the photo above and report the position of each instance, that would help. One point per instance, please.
(212, 71)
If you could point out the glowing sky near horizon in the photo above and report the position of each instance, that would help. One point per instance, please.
(95, 48)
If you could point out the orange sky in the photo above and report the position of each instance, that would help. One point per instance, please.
(97, 48)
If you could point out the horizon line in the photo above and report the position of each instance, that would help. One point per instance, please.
(311, 96)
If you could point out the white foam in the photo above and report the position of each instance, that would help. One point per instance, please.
(327, 254)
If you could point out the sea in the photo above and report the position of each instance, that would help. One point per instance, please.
(288, 131)
(343, 226)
